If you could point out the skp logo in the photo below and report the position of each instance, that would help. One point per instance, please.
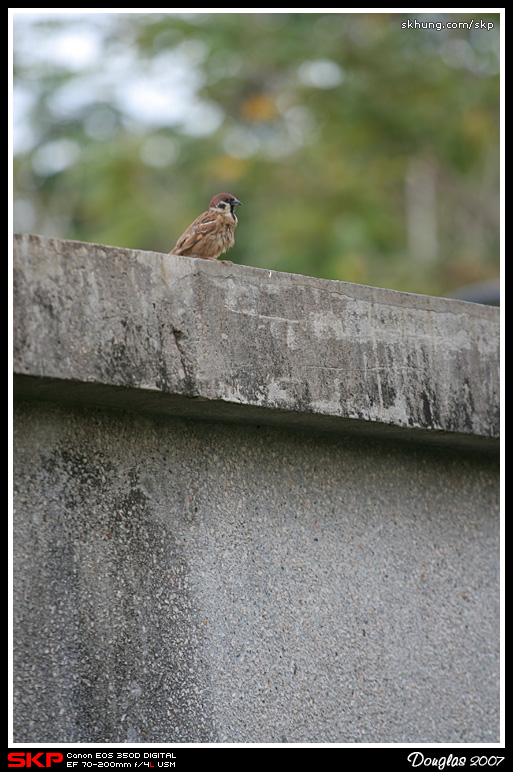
(33, 759)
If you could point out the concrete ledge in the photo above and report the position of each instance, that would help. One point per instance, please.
(165, 333)
(208, 581)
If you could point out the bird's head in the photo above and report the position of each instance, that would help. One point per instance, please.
(224, 203)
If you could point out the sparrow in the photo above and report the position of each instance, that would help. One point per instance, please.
(211, 234)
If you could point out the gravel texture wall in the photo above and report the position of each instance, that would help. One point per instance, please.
(186, 581)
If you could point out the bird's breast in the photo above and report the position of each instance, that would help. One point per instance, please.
(225, 233)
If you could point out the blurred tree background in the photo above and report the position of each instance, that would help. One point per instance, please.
(362, 151)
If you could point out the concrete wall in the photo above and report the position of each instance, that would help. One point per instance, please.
(249, 506)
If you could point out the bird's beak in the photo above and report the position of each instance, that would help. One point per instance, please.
(236, 202)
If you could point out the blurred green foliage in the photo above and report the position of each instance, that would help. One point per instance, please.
(362, 151)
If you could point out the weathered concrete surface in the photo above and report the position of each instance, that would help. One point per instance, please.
(189, 337)
(190, 581)
(181, 580)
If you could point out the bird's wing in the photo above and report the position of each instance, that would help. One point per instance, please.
(204, 225)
